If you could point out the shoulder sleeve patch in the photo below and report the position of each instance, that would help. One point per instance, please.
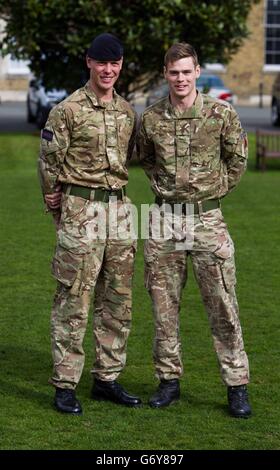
(47, 135)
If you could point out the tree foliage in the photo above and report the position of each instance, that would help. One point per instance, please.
(54, 34)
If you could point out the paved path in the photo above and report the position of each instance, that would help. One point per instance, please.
(253, 117)
(13, 118)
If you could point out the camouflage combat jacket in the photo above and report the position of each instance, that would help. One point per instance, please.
(87, 142)
(194, 155)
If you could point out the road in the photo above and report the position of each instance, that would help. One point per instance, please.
(13, 117)
(253, 118)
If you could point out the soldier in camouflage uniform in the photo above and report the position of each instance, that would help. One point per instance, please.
(194, 151)
(85, 145)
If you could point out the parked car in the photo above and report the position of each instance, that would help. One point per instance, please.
(275, 101)
(208, 83)
(40, 102)
(214, 86)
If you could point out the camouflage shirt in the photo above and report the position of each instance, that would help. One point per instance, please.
(194, 155)
(87, 142)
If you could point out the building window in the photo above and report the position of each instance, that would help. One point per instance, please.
(17, 67)
(272, 34)
(216, 67)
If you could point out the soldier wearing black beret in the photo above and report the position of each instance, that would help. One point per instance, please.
(85, 146)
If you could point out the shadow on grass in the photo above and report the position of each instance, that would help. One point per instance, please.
(27, 393)
(24, 371)
(207, 403)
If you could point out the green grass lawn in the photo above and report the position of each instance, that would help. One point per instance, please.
(200, 419)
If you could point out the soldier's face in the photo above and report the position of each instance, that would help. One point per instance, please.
(104, 75)
(181, 76)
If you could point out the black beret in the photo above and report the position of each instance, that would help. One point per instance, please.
(105, 47)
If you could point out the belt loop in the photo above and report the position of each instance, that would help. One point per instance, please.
(200, 208)
(123, 192)
(92, 194)
(68, 189)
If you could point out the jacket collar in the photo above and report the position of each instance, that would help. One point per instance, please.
(114, 104)
(195, 111)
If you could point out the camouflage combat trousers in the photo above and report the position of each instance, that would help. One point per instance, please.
(91, 258)
(211, 250)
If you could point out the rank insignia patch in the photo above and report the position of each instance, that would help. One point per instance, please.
(47, 135)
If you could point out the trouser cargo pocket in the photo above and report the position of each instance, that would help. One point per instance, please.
(225, 258)
(67, 268)
(227, 271)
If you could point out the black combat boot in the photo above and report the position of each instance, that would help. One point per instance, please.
(113, 391)
(168, 392)
(238, 402)
(65, 401)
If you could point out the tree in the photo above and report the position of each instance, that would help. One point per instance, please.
(54, 34)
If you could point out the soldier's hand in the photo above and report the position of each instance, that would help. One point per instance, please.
(53, 200)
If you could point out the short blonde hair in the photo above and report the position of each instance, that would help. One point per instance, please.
(180, 50)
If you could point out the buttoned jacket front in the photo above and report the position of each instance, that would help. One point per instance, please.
(194, 155)
(87, 142)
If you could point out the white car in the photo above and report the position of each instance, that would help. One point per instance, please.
(40, 102)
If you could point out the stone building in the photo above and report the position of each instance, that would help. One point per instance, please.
(253, 68)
